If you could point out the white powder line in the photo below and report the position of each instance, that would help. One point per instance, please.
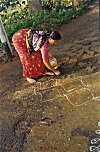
(57, 83)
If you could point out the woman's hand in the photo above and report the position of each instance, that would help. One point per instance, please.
(50, 67)
(57, 72)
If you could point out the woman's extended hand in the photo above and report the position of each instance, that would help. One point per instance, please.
(57, 72)
(50, 67)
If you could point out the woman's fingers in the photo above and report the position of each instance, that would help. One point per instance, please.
(57, 72)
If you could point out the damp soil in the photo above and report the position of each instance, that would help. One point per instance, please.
(58, 113)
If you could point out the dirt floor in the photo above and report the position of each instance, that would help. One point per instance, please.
(58, 113)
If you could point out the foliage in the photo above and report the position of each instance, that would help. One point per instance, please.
(54, 4)
(5, 4)
(18, 19)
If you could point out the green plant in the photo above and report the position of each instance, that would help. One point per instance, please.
(16, 20)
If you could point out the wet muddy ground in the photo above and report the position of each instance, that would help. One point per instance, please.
(58, 113)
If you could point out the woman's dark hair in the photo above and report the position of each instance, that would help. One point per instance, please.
(55, 35)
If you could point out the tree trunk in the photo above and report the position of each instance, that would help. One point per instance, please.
(34, 5)
(74, 3)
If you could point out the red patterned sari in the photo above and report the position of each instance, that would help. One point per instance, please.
(33, 65)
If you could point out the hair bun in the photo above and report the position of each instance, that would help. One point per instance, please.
(55, 35)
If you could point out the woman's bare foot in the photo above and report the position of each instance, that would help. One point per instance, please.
(30, 80)
(48, 73)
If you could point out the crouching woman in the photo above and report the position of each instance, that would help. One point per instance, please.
(32, 47)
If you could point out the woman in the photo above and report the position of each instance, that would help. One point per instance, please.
(32, 48)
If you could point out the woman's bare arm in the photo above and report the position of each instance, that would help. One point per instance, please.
(50, 55)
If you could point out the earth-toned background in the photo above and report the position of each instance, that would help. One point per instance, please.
(58, 113)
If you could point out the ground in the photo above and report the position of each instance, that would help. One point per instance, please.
(58, 113)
